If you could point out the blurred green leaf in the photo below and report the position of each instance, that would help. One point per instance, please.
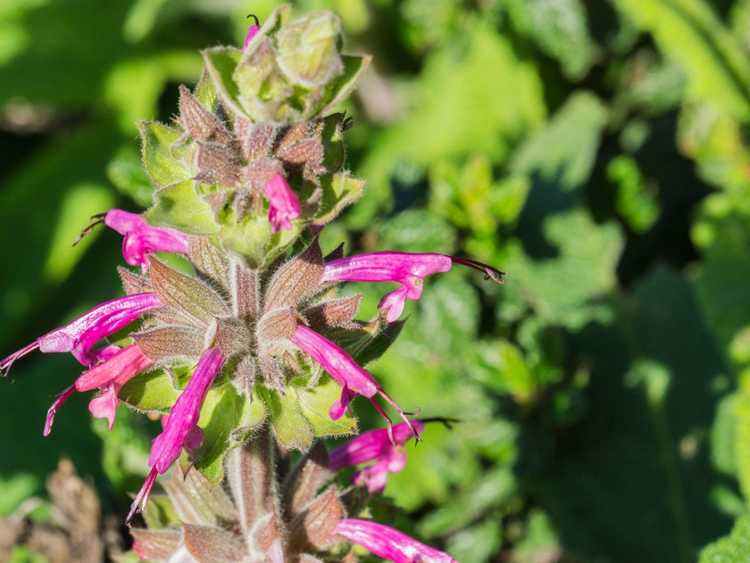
(731, 549)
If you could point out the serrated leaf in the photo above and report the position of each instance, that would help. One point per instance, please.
(151, 392)
(180, 207)
(163, 156)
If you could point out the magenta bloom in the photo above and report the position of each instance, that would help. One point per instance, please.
(181, 427)
(405, 268)
(141, 239)
(387, 452)
(251, 32)
(353, 379)
(79, 336)
(388, 543)
(117, 367)
(283, 203)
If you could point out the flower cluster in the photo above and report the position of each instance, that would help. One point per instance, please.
(243, 183)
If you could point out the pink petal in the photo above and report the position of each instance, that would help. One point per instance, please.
(283, 203)
(372, 445)
(119, 368)
(389, 543)
(183, 417)
(105, 404)
(252, 31)
(141, 239)
(58, 402)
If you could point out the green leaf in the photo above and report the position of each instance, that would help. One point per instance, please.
(731, 549)
(477, 543)
(563, 288)
(565, 150)
(635, 201)
(126, 172)
(560, 29)
(150, 392)
(689, 32)
(179, 206)
(164, 158)
(417, 230)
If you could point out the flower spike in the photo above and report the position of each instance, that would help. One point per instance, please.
(388, 543)
(180, 429)
(353, 379)
(387, 452)
(405, 268)
(79, 336)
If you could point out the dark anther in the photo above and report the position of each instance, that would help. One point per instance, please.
(489, 272)
(96, 220)
(347, 123)
(255, 19)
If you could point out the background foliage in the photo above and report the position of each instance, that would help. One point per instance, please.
(596, 150)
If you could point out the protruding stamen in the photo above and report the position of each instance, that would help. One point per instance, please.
(489, 272)
(6, 363)
(97, 220)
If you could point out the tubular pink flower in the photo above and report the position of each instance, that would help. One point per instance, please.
(252, 31)
(375, 445)
(388, 543)
(353, 379)
(79, 336)
(404, 268)
(118, 366)
(180, 428)
(141, 239)
(283, 203)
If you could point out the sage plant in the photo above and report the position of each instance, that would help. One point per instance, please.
(231, 329)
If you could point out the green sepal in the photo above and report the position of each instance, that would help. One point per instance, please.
(179, 206)
(150, 392)
(339, 89)
(290, 427)
(221, 63)
(316, 402)
(339, 191)
(164, 155)
(254, 239)
(223, 412)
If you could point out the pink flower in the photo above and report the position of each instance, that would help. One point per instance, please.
(283, 203)
(181, 427)
(405, 268)
(353, 379)
(252, 31)
(375, 445)
(118, 366)
(388, 543)
(141, 239)
(79, 336)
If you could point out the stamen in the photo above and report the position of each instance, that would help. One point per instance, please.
(97, 219)
(489, 272)
(139, 503)
(255, 19)
(58, 402)
(389, 422)
(401, 413)
(445, 421)
(6, 363)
